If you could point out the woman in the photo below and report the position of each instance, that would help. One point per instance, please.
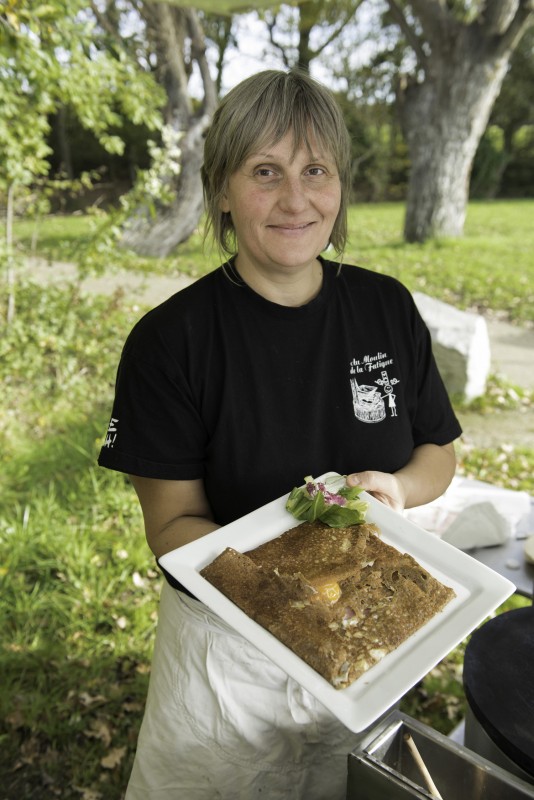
(278, 365)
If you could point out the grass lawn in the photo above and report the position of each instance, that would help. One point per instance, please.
(79, 588)
(489, 269)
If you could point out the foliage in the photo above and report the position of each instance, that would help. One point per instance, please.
(50, 59)
(378, 152)
(96, 239)
(508, 465)
(500, 396)
(78, 586)
(504, 163)
(59, 344)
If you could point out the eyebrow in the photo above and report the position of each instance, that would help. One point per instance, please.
(274, 157)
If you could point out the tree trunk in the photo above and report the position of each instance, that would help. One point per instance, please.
(445, 109)
(443, 120)
(63, 139)
(158, 228)
(157, 235)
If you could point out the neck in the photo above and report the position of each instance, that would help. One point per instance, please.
(294, 289)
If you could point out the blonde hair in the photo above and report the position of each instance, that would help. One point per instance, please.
(260, 111)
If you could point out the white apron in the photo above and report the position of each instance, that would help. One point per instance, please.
(222, 722)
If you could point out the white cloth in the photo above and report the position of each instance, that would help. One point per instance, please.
(222, 722)
(479, 525)
(462, 515)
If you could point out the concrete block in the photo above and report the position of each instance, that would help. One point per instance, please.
(461, 346)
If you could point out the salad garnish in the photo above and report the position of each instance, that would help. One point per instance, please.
(331, 501)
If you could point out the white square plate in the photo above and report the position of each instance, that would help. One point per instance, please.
(479, 590)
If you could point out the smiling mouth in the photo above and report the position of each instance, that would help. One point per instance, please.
(293, 228)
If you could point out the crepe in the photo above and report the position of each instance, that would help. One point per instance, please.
(340, 598)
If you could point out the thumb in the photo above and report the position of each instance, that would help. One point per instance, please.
(382, 485)
(364, 480)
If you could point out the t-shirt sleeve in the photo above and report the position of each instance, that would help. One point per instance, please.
(155, 430)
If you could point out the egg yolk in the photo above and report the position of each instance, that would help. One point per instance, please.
(328, 592)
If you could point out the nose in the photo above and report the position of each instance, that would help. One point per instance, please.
(293, 197)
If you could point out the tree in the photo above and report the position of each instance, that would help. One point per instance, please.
(178, 45)
(461, 53)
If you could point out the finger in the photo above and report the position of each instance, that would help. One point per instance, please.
(366, 480)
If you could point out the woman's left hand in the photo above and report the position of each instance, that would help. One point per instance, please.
(426, 476)
(383, 485)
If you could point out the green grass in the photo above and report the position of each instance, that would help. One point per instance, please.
(490, 268)
(79, 588)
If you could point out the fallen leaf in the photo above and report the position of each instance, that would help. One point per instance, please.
(87, 699)
(132, 707)
(99, 730)
(16, 719)
(114, 758)
(30, 750)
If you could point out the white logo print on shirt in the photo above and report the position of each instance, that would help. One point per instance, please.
(367, 400)
(112, 432)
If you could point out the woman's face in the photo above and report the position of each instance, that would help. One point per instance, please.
(283, 205)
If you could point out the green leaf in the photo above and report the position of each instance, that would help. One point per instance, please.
(314, 501)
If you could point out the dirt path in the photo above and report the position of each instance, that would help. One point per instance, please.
(139, 289)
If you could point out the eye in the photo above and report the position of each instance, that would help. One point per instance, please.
(316, 171)
(264, 172)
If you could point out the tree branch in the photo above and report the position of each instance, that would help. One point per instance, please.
(337, 30)
(411, 37)
(271, 25)
(523, 17)
(496, 15)
(105, 22)
(435, 18)
(198, 51)
(166, 25)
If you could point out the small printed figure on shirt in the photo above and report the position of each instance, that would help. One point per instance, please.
(388, 384)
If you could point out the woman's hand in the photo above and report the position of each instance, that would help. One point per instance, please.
(425, 477)
(385, 486)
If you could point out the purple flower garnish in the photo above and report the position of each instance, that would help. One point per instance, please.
(330, 498)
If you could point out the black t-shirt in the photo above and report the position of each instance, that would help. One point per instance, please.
(219, 383)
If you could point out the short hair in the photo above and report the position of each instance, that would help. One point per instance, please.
(260, 111)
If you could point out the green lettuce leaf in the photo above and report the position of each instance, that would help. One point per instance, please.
(336, 505)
